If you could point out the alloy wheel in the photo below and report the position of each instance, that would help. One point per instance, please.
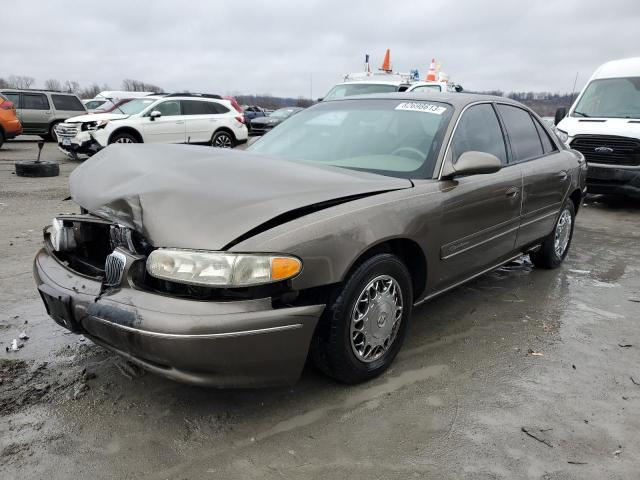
(222, 141)
(562, 233)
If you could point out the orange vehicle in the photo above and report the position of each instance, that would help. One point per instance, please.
(10, 126)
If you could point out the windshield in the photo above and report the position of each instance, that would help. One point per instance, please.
(610, 98)
(136, 106)
(390, 137)
(93, 104)
(282, 113)
(349, 89)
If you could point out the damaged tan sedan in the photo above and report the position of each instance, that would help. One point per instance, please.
(229, 268)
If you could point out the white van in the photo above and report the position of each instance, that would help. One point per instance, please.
(604, 124)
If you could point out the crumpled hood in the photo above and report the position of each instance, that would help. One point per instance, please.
(188, 196)
(95, 117)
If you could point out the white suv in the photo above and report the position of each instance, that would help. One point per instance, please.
(172, 118)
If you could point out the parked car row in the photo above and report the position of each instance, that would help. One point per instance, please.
(156, 118)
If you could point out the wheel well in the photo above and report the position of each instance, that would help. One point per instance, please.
(225, 129)
(576, 198)
(406, 250)
(53, 123)
(129, 130)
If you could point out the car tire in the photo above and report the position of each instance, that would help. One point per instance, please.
(123, 138)
(52, 136)
(1, 138)
(223, 139)
(339, 347)
(555, 247)
(37, 169)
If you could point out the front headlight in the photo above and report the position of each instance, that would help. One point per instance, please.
(221, 269)
(562, 135)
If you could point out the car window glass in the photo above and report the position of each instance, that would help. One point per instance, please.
(479, 131)
(427, 88)
(547, 144)
(34, 101)
(525, 141)
(220, 108)
(67, 102)
(168, 108)
(15, 98)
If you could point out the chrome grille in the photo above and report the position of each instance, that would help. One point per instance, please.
(114, 268)
(67, 130)
(608, 149)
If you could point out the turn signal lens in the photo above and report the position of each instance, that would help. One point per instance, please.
(284, 267)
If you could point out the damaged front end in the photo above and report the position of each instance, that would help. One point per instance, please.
(93, 280)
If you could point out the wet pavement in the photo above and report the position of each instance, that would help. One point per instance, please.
(521, 373)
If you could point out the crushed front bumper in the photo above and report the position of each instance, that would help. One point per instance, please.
(225, 344)
(613, 179)
(81, 143)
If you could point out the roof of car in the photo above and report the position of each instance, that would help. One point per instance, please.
(37, 90)
(455, 99)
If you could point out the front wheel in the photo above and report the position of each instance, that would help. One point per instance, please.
(123, 138)
(222, 139)
(364, 324)
(555, 247)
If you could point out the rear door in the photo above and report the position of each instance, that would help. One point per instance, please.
(67, 106)
(481, 213)
(202, 118)
(546, 181)
(36, 113)
(169, 127)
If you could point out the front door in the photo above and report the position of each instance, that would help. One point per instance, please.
(169, 127)
(202, 118)
(481, 213)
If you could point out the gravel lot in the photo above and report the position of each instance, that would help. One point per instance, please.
(519, 374)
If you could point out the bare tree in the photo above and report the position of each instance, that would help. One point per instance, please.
(91, 91)
(52, 84)
(21, 81)
(71, 86)
(131, 85)
(4, 83)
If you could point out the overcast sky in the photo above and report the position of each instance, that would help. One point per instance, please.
(278, 46)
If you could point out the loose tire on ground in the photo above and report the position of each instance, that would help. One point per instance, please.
(550, 255)
(223, 139)
(333, 348)
(37, 169)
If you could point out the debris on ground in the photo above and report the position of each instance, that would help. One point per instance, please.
(625, 345)
(634, 381)
(80, 390)
(128, 369)
(573, 462)
(15, 346)
(23, 335)
(538, 434)
(618, 451)
(533, 353)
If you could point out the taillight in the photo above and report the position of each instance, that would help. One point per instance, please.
(6, 105)
(240, 119)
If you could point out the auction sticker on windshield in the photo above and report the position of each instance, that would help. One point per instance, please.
(421, 107)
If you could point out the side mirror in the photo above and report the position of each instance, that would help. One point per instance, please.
(475, 163)
(560, 114)
(320, 99)
(155, 114)
(458, 88)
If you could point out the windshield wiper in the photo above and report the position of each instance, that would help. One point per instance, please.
(580, 113)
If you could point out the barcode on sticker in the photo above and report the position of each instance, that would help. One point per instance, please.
(421, 107)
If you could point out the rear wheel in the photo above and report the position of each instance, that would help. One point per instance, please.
(123, 138)
(555, 247)
(223, 139)
(364, 324)
(1, 138)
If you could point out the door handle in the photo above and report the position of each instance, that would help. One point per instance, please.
(512, 192)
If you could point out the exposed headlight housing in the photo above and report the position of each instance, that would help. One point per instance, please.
(62, 237)
(218, 269)
(96, 125)
(562, 135)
